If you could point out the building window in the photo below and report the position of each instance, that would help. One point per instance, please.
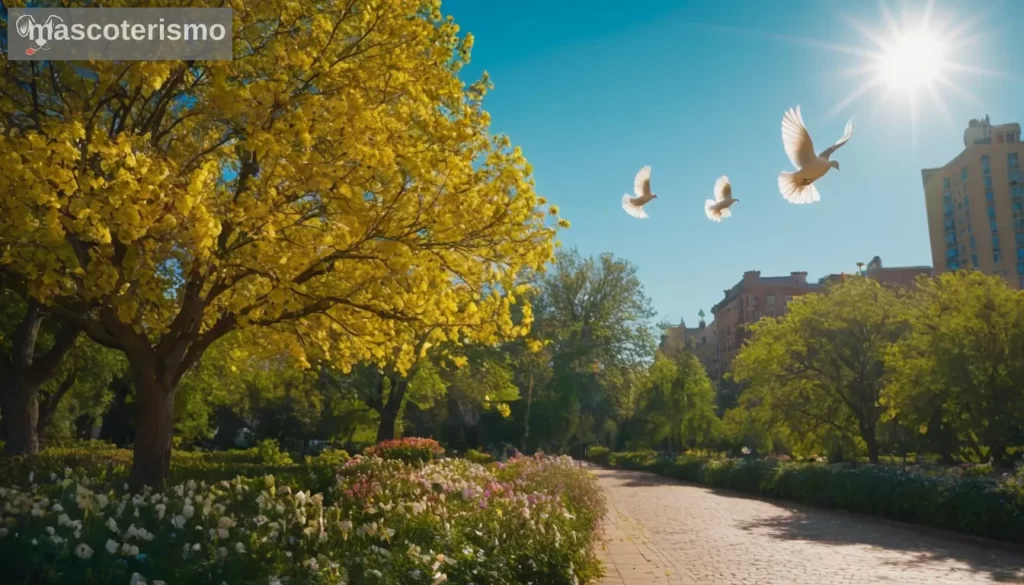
(1020, 268)
(992, 224)
(963, 174)
(989, 195)
(951, 253)
(995, 257)
(953, 265)
(1018, 205)
(995, 241)
(945, 183)
(1020, 253)
(771, 298)
(789, 298)
(984, 163)
(988, 181)
(991, 211)
(974, 259)
(948, 223)
(1012, 161)
(1014, 176)
(1011, 137)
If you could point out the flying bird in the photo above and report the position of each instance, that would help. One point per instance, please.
(798, 187)
(642, 187)
(718, 208)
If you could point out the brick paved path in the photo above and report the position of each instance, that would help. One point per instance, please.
(663, 532)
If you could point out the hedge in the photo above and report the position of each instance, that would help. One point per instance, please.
(981, 506)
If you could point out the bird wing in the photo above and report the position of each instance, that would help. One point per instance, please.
(847, 133)
(642, 182)
(630, 206)
(796, 140)
(723, 188)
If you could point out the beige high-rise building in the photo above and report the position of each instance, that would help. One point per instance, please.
(975, 204)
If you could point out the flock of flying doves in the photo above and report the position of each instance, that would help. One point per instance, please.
(796, 187)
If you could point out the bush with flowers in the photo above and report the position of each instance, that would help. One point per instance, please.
(380, 521)
(971, 503)
(409, 449)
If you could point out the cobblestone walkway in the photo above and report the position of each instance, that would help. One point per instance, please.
(663, 532)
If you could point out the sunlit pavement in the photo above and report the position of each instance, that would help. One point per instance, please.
(664, 532)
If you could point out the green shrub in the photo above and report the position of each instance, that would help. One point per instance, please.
(599, 455)
(330, 457)
(410, 450)
(479, 457)
(967, 500)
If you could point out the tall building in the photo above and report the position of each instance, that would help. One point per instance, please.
(745, 303)
(975, 204)
(891, 276)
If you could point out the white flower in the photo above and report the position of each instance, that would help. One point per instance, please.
(83, 551)
(34, 542)
(188, 511)
(136, 512)
(3, 532)
(57, 508)
(239, 547)
(38, 512)
(259, 520)
(222, 552)
(196, 546)
(222, 533)
(161, 509)
(273, 581)
(439, 578)
(50, 530)
(178, 521)
(56, 539)
(53, 476)
(102, 500)
(111, 546)
(191, 484)
(112, 525)
(745, 450)
(346, 526)
(225, 522)
(159, 583)
(31, 477)
(301, 497)
(375, 573)
(288, 553)
(137, 579)
(63, 520)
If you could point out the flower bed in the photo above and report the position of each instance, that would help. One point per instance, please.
(981, 506)
(410, 449)
(381, 521)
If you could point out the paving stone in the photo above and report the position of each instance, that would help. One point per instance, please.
(662, 532)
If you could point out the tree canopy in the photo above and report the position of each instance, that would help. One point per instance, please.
(336, 181)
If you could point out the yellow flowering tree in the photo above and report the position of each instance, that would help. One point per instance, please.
(335, 183)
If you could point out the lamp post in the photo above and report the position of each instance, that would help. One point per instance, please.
(860, 268)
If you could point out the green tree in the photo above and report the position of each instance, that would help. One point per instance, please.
(962, 365)
(595, 318)
(679, 402)
(823, 364)
(43, 359)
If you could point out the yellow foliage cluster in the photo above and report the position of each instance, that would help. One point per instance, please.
(335, 182)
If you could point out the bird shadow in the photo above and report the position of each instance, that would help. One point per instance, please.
(924, 546)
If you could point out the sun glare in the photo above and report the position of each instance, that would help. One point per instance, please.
(913, 61)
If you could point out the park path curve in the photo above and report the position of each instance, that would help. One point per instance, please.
(664, 532)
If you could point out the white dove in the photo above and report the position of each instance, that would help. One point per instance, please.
(642, 187)
(718, 208)
(798, 187)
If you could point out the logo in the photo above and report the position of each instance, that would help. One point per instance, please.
(27, 27)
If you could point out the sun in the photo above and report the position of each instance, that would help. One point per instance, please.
(911, 62)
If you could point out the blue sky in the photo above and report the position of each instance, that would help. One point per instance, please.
(595, 90)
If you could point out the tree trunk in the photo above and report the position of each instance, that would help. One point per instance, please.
(386, 428)
(21, 416)
(391, 408)
(154, 427)
(23, 373)
(529, 403)
(868, 434)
